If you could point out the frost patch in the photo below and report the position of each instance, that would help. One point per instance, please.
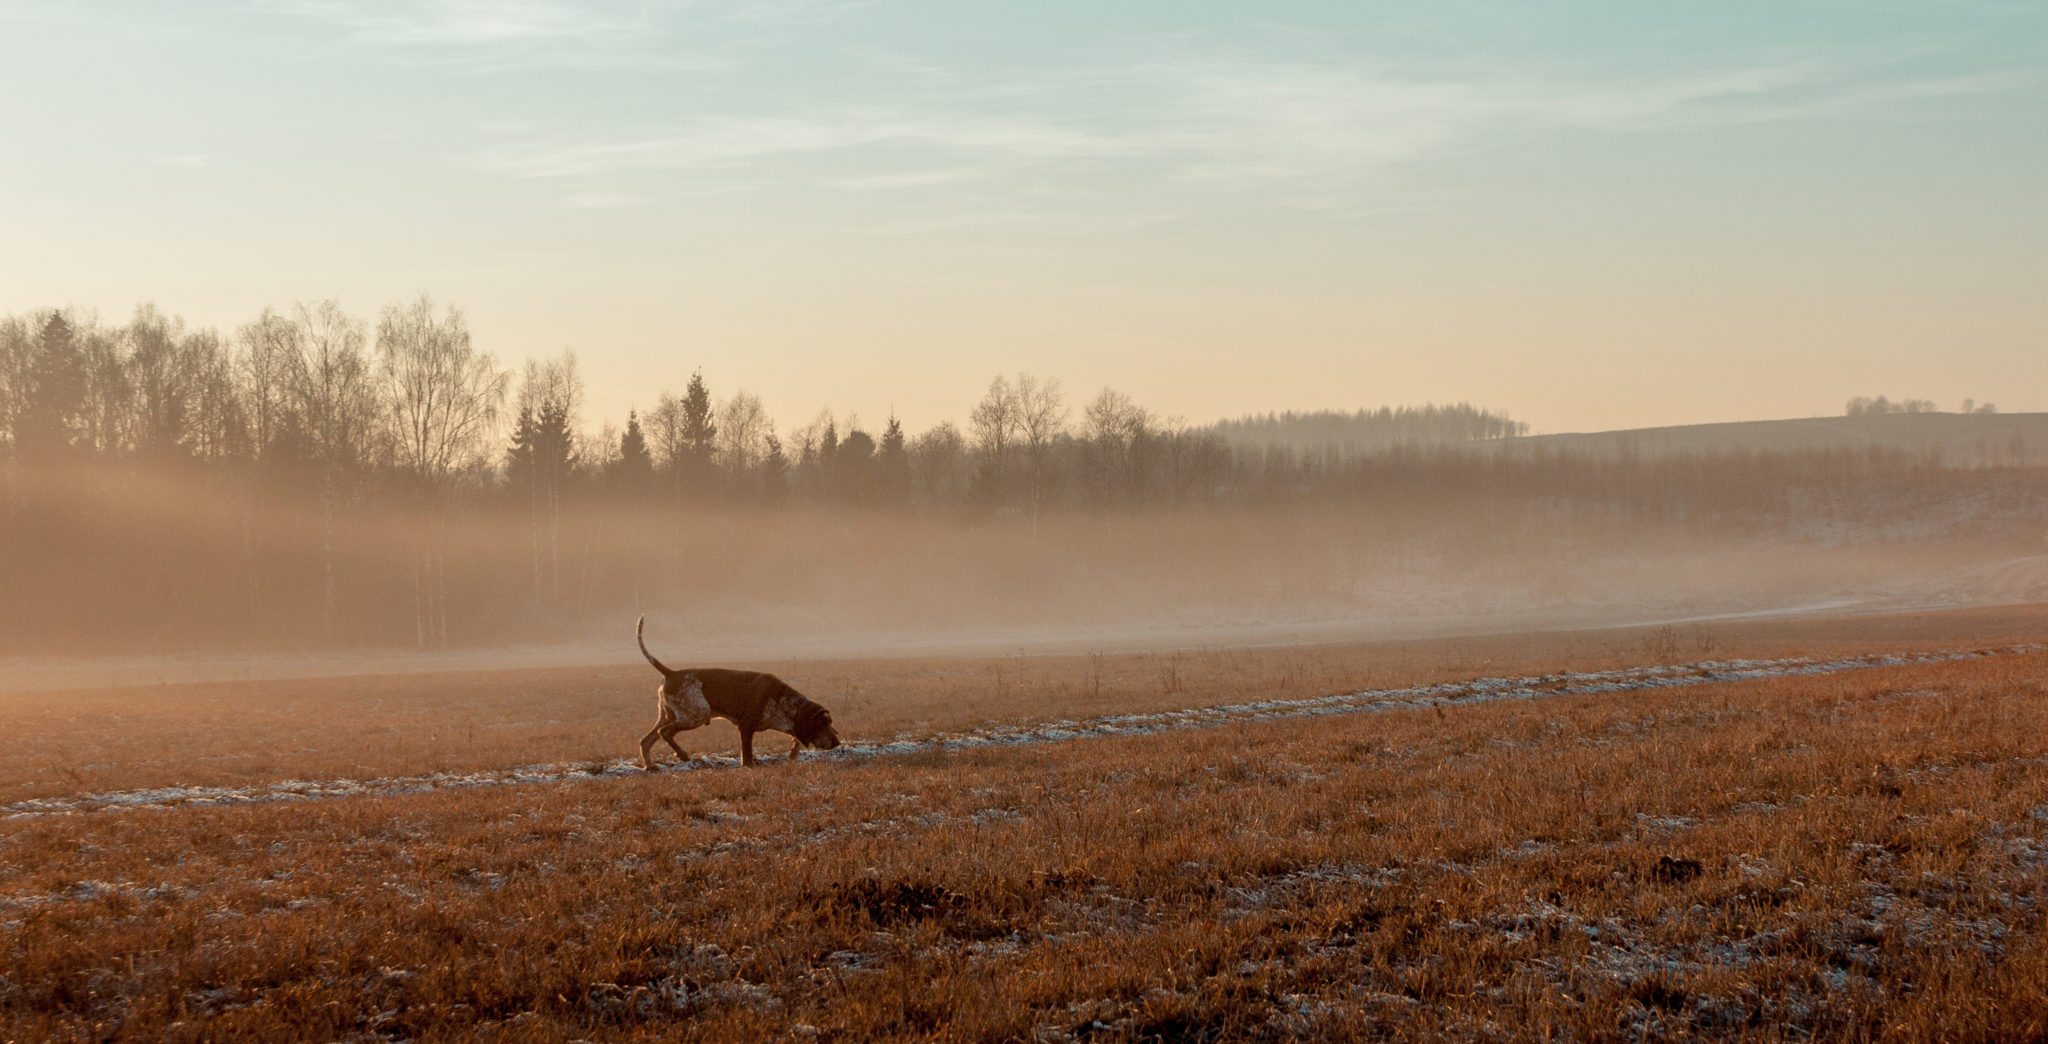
(90, 891)
(1667, 822)
(1374, 701)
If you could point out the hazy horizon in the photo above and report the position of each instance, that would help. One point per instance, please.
(1595, 218)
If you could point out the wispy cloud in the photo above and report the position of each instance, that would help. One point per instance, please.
(1303, 134)
(792, 12)
(457, 22)
(1893, 97)
(601, 201)
(729, 142)
(508, 36)
(1326, 125)
(909, 179)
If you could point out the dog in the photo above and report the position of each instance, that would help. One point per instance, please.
(751, 700)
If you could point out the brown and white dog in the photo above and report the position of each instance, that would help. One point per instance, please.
(751, 700)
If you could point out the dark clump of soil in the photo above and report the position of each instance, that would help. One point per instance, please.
(897, 902)
(1676, 870)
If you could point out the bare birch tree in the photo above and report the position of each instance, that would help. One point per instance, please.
(939, 464)
(163, 372)
(17, 343)
(270, 346)
(1041, 418)
(666, 441)
(334, 390)
(443, 396)
(441, 399)
(106, 413)
(743, 430)
(1116, 434)
(219, 423)
(994, 424)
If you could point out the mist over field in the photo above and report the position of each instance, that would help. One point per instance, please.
(318, 483)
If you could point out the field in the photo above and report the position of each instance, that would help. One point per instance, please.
(1771, 829)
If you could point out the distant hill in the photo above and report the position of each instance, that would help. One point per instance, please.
(1956, 439)
(1969, 440)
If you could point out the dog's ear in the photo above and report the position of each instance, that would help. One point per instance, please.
(812, 719)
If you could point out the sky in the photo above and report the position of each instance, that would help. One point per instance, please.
(1590, 215)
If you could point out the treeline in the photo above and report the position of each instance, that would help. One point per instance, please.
(320, 477)
(408, 407)
(1337, 434)
(1867, 406)
(409, 401)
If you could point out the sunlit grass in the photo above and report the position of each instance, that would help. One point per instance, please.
(1856, 855)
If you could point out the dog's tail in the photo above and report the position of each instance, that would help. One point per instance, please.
(640, 632)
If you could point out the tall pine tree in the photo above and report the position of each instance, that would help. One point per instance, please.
(55, 394)
(633, 472)
(699, 435)
(893, 464)
(774, 471)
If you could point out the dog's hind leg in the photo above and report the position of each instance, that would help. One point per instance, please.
(668, 736)
(647, 747)
(746, 746)
(794, 746)
(663, 718)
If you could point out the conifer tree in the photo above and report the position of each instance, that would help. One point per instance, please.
(774, 471)
(634, 470)
(55, 392)
(893, 464)
(699, 434)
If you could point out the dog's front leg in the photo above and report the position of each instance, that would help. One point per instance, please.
(794, 746)
(746, 746)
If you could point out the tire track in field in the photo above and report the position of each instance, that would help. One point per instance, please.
(1442, 694)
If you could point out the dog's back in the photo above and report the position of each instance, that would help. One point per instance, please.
(748, 699)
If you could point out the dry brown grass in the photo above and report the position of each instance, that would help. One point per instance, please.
(1859, 855)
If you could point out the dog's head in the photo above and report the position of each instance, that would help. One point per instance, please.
(813, 727)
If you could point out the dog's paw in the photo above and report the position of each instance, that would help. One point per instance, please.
(651, 767)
